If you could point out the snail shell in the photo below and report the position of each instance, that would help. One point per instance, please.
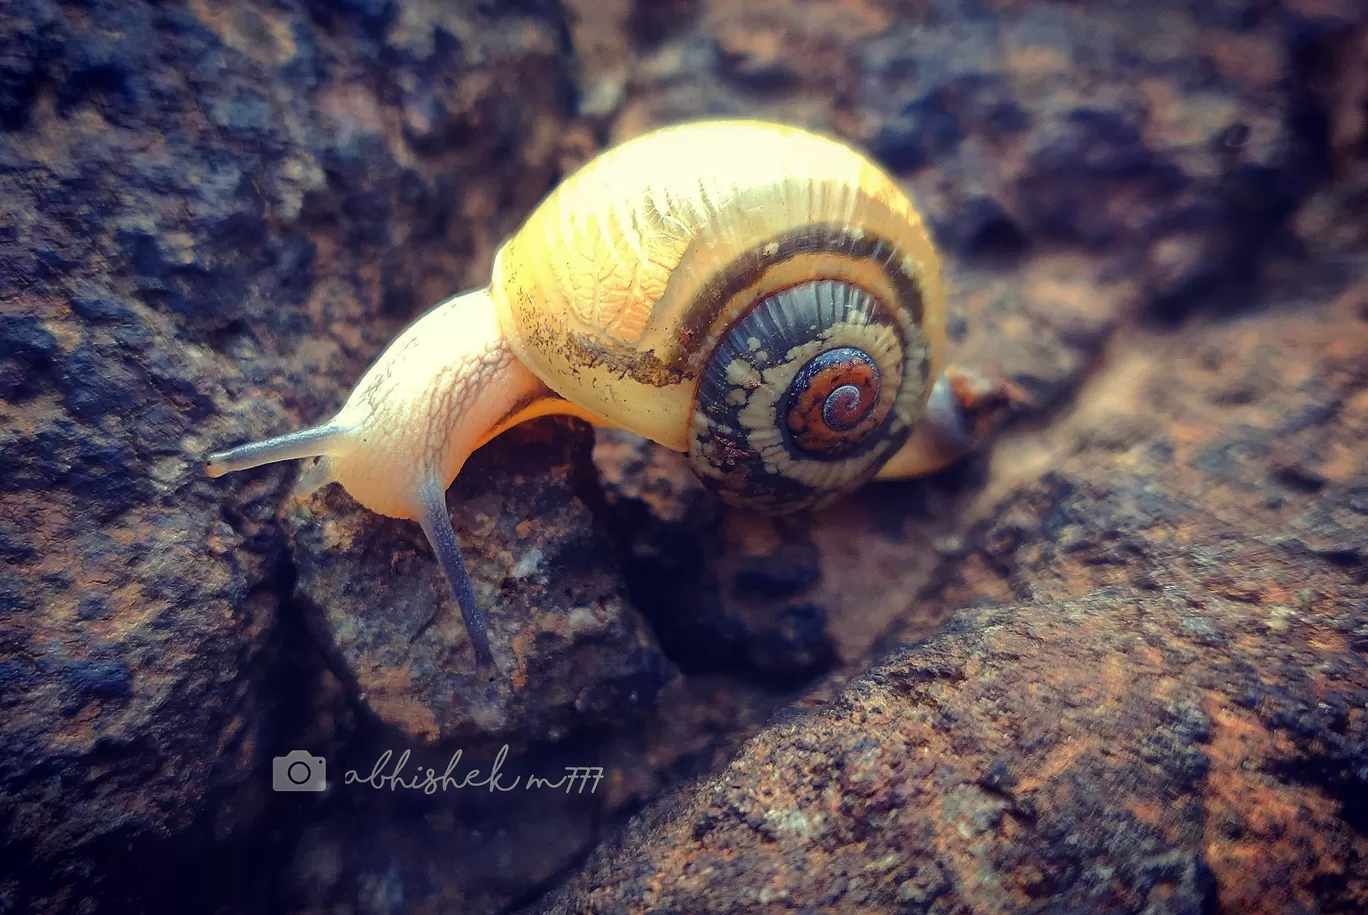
(760, 297)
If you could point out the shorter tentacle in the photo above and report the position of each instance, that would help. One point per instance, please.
(314, 477)
(965, 408)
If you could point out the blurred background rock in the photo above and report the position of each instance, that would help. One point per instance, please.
(1118, 663)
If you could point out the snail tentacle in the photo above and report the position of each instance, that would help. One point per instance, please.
(442, 388)
(965, 408)
(314, 477)
(436, 524)
(301, 444)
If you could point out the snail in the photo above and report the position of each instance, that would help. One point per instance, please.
(758, 296)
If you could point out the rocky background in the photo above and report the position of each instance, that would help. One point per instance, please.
(1117, 663)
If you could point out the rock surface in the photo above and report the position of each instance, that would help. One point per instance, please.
(571, 653)
(373, 847)
(784, 599)
(212, 217)
(1168, 134)
(1166, 710)
(1219, 758)
(1082, 166)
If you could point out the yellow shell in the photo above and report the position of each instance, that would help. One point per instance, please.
(609, 291)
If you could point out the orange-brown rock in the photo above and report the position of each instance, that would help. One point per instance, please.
(1161, 704)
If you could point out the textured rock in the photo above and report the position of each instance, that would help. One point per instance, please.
(371, 847)
(751, 610)
(1167, 710)
(383, 849)
(1337, 82)
(1176, 137)
(211, 218)
(785, 598)
(571, 653)
(1079, 164)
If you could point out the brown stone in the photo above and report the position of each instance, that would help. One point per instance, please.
(1120, 657)
(572, 654)
(212, 216)
(1167, 713)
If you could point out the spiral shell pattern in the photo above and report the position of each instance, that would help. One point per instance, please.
(806, 395)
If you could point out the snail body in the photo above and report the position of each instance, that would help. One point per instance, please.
(760, 297)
